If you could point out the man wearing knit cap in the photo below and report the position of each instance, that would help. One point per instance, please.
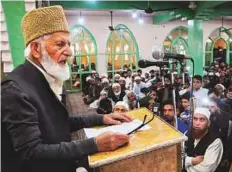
(204, 151)
(36, 126)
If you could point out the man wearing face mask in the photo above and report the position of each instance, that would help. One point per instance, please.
(36, 126)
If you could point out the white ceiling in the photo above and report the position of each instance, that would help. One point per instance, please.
(120, 13)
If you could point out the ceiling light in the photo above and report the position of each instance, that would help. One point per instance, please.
(184, 18)
(141, 21)
(134, 15)
(81, 19)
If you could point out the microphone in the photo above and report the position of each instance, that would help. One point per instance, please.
(146, 63)
(158, 54)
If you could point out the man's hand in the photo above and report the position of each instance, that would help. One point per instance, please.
(197, 160)
(114, 119)
(110, 141)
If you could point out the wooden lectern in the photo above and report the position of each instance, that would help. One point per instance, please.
(155, 150)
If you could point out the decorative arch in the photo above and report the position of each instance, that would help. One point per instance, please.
(177, 41)
(84, 57)
(121, 50)
(218, 46)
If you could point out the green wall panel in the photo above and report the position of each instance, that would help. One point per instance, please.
(14, 12)
(195, 43)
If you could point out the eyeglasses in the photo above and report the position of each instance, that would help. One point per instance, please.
(143, 124)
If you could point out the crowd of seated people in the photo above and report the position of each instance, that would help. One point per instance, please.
(212, 92)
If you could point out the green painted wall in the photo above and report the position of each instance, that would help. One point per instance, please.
(14, 12)
(195, 43)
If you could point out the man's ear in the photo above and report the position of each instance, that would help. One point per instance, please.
(36, 50)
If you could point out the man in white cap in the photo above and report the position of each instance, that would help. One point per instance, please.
(36, 126)
(204, 151)
(138, 85)
(121, 107)
(116, 77)
(116, 94)
(122, 82)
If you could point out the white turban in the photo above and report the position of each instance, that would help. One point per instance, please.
(202, 111)
(122, 79)
(103, 75)
(105, 80)
(220, 87)
(89, 78)
(137, 78)
(116, 75)
(115, 85)
(121, 103)
(128, 92)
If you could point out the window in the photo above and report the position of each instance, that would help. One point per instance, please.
(176, 42)
(217, 46)
(121, 50)
(84, 57)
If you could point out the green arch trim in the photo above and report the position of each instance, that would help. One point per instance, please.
(91, 36)
(80, 73)
(122, 26)
(216, 39)
(178, 37)
(176, 28)
(174, 40)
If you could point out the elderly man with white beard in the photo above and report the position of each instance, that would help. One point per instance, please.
(36, 126)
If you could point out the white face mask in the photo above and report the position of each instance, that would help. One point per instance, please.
(60, 72)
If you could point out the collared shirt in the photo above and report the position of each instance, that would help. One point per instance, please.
(200, 95)
(212, 158)
(55, 84)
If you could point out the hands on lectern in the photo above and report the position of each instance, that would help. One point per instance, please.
(110, 141)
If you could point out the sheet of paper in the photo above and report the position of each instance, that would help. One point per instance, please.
(122, 128)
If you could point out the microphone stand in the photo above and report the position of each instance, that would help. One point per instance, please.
(191, 87)
(162, 76)
(191, 90)
(174, 99)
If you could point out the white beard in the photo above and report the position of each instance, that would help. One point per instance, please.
(60, 72)
(118, 93)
